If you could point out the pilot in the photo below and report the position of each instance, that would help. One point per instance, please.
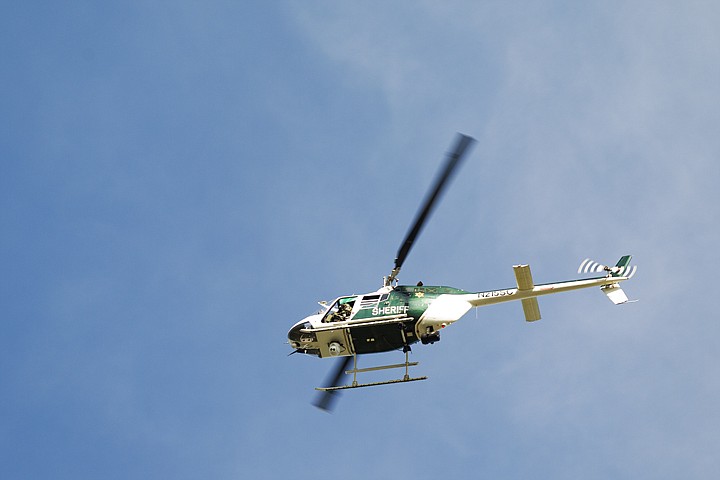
(344, 311)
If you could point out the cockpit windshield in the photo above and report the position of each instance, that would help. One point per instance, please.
(340, 310)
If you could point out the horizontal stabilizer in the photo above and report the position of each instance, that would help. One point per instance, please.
(523, 277)
(531, 309)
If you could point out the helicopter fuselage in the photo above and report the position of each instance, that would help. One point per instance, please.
(389, 319)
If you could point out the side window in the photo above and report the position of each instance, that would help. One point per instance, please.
(372, 301)
(369, 301)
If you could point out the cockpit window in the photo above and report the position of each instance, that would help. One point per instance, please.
(340, 310)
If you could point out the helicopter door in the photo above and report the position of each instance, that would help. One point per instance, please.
(335, 342)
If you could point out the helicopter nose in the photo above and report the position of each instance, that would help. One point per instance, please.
(303, 342)
(302, 338)
(294, 335)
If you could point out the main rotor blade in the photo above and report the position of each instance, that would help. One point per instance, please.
(326, 399)
(461, 145)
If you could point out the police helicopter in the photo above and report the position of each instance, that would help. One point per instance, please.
(397, 316)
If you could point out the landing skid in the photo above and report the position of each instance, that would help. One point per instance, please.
(373, 384)
(355, 371)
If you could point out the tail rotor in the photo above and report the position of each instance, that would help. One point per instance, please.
(621, 269)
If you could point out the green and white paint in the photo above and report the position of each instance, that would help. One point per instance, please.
(394, 317)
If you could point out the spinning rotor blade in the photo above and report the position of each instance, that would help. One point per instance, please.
(453, 159)
(326, 399)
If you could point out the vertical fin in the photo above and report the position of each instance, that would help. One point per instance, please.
(622, 268)
(624, 261)
(615, 294)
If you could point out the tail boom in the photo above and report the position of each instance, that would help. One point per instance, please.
(507, 295)
(448, 308)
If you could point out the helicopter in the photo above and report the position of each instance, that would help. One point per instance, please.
(396, 316)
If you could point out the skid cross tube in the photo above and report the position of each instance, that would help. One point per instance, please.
(355, 371)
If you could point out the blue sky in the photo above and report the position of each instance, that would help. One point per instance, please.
(182, 181)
